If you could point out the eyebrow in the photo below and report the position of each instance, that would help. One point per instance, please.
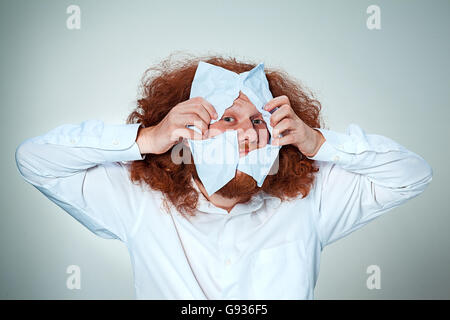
(252, 116)
(256, 114)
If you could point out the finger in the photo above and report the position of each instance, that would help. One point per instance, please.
(282, 126)
(276, 102)
(194, 120)
(287, 139)
(208, 106)
(185, 133)
(282, 112)
(185, 143)
(198, 110)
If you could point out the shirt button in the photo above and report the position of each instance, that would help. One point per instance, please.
(336, 158)
(228, 262)
(115, 142)
(72, 141)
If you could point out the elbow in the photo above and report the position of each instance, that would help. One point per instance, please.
(412, 178)
(429, 175)
(421, 175)
(424, 172)
(20, 155)
(23, 157)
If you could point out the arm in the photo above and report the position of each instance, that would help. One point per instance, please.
(361, 177)
(78, 168)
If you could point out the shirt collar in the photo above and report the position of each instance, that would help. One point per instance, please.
(255, 203)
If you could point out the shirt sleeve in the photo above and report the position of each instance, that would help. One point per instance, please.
(361, 176)
(80, 168)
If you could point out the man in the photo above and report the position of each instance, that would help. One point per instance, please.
(244, 241)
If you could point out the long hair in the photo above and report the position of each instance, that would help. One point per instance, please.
(169, 83)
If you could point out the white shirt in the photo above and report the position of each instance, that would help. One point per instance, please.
(265, 249)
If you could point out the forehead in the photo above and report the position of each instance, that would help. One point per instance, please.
(242, 104)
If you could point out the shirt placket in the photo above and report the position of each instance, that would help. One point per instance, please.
(228, 256)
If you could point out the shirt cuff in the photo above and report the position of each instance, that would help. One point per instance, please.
(338, 147)
(116, 142)
(120, 142)
(344, 148)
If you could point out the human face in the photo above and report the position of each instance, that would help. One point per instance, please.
(247, 120)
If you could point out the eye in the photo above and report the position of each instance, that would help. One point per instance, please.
(228, 119)
(257, 121)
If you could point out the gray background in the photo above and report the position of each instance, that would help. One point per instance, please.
(393, 81)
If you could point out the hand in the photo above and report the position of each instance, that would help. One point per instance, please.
(172, 129)
(285, 121)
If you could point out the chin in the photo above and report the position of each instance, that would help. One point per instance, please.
(241, 186)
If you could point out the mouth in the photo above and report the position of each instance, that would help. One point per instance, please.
(245, 150)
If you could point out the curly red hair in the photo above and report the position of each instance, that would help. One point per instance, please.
(169, 83)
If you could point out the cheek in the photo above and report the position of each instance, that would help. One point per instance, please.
(263, 137)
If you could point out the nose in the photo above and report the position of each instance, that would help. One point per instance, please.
(247, 132)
